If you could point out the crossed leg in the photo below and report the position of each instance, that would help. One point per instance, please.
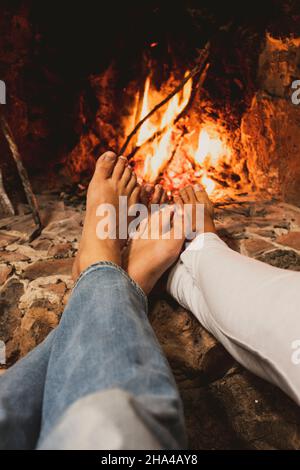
(100, 380)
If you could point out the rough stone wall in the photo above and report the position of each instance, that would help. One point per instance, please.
(270, 128)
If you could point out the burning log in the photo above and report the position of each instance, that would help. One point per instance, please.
(23, 176)
(198, 69)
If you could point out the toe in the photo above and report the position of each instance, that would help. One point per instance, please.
(158, 192)
(179, 205)
(177, 230)
(164, 198)
(127, 173)
(191, 194)
(202, 196)
(131, 184)
(119, 168)
(200, 192)
(178, 200)
(135, 195)
(146, 192)
(105, 164)
(184, 196)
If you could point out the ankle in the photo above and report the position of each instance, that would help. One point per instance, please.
(209, 225)
(110, 253)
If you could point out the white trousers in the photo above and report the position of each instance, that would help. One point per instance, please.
(252, 308)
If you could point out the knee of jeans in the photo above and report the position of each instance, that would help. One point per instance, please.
(115, 419)
(102, 420)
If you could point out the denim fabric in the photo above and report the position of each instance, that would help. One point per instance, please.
(102, 354)
(21, 398)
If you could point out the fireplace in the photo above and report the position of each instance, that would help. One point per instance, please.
(81, 80)
(232, 127)
(249, 145)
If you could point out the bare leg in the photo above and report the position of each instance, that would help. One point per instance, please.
(112, 179)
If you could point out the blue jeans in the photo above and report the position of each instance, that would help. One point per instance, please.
(98, 381)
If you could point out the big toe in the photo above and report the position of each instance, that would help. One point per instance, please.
(157, 194)
(201, 194)
(184, 196)
(105, 164)
(146, 193)
(202, 197)
(178, 200)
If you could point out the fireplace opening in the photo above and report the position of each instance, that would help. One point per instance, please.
(80, 87)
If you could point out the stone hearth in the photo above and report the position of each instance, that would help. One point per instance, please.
(226, 407)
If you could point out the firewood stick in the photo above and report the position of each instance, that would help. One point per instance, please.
(182, 114)
(4, 199)
(197, 87)
(22, 173)
(195, 71)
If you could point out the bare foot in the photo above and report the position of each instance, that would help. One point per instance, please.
(197, 195)
(112, 178)
(148, 256)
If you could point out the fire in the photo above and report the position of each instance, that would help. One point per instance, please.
(209, 184)
(159, 155)
(210, 151)
(209, 148)
(159, 152)
(175, 106)
(148, 129)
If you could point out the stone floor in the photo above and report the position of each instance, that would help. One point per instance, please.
(226, 407)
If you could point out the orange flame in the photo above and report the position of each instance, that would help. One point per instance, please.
(208, 184)
(210, 149)
(157, 143)
(147, 130)
(159, 152)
